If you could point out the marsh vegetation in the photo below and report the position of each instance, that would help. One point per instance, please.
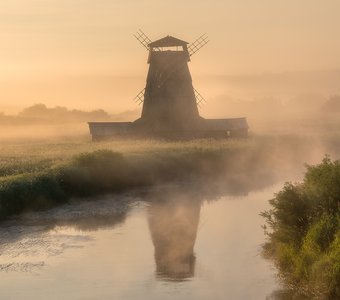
(35, 175)
(56, 173)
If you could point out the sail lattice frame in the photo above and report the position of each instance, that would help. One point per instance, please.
(199, 99)
(198, 44)
(139, 99)
(143, 39)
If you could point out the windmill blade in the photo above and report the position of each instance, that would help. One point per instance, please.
(143, 39)
(199, 98)
(198, 44)
(139, 99)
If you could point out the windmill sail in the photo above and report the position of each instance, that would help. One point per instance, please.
(199, 98)
(140, 97)
(198, 44)
(143, 39)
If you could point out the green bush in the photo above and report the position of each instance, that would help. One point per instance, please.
(304, 234)
(322, 187)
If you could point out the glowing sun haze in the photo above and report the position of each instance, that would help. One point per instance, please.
(59, 51)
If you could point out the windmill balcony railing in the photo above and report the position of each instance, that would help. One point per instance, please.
(173, 48)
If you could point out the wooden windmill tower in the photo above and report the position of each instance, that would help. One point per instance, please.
(170, 102)
(169, 98)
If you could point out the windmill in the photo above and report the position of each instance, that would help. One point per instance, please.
(170, 102)
(169, 99)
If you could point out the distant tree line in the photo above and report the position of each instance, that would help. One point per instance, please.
(41, 114)
(332, 105)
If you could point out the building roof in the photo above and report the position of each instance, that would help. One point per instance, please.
(168, 41)
(226, 124)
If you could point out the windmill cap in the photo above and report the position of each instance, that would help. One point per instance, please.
(168, 41)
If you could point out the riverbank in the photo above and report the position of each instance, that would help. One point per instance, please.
(104, 171)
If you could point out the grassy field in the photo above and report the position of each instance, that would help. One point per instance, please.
(283, 152)
(41, 174)
(38, 175)
(30, 157)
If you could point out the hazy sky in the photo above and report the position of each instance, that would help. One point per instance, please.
(60, 38)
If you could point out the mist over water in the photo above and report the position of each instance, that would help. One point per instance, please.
(166, 242)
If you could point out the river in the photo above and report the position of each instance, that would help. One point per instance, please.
(169, 242)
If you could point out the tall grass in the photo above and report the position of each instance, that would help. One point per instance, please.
(43, 174)
(304, 231)
(29, 157)
(105, 171)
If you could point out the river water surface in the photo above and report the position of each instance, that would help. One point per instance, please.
(165, 243)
